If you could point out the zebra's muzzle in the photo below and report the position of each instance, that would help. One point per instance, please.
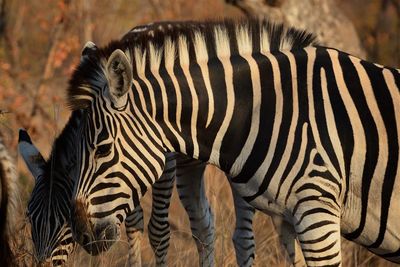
(94, 238)
(105, 236)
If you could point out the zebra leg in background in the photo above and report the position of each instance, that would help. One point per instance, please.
(243, 237)
(287, 238)
(190, 185)
(159, 229)
(134, 230)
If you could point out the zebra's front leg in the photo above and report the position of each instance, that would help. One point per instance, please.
(243, 237)
(190, 185)
(134, 230)
(317, 225)
(287, 238)
(159, 228)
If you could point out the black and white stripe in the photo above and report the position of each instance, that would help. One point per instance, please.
(305, 132)
(48, 207)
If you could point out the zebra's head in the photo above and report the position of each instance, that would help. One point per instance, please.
(120, 149)
(48, 207)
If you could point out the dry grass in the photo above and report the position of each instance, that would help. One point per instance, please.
(182, 251)
(18, 98)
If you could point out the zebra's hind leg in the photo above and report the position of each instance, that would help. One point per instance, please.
(243, 237)
(287, 238)
(134, 230)
(159, 228)
(190, 185)
(317, 225)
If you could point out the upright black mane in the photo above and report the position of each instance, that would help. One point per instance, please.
(58, 166)
(90, 69)
(65, 147)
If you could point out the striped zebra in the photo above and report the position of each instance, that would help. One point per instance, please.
(48, 208)
(304, 132)
(8, 198)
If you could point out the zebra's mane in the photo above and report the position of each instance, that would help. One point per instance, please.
(62, 157)
(161, 44)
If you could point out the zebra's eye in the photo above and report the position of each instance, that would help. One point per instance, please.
(103, 150)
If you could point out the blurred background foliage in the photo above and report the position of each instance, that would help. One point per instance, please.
(40, 43)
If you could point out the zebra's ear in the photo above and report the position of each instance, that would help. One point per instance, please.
(88, 49)
(119, 76)
(31, 155)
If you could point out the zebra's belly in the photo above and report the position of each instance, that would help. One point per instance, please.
(264, 202)
(377, 227)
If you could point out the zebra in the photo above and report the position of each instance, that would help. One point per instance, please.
(200, 214)
(303, 131)
(53, 239)
(243, 242)
(8, 207)
(48, 207)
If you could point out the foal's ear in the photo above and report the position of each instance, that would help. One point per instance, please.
(119, 76)
(31, 155)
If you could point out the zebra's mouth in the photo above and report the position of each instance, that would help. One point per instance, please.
(103, 238)
(98, 247)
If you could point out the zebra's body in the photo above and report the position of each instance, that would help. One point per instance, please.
(305, 132)
(8, 197)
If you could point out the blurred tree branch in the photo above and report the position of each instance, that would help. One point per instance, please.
(48, 69)
(84, 13)
(155, 5)
(11, 32)
(259, 8)
(2, 17)
(396, 4)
